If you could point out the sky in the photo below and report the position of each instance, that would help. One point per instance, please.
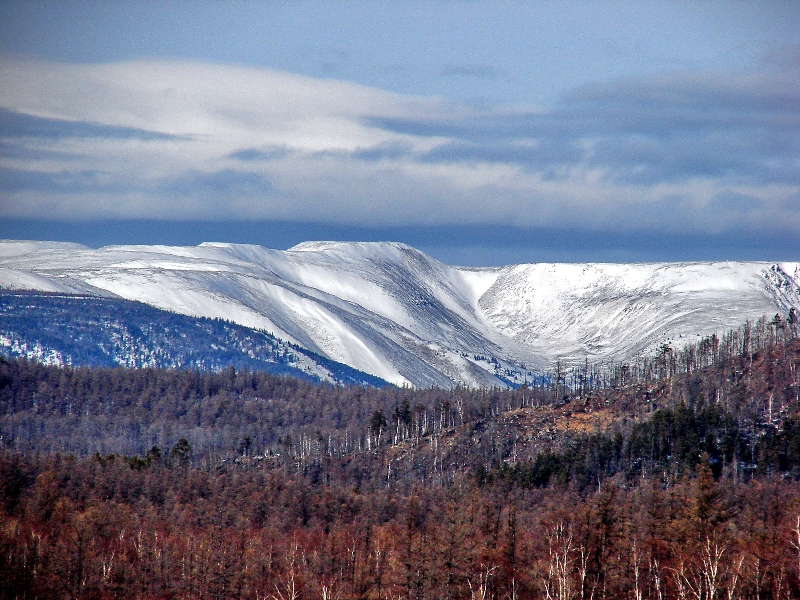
(480, 132)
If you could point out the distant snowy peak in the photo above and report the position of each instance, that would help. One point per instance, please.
(10, 248)
(350, 247)
(366, 253)
(388, 309)
(619, 310)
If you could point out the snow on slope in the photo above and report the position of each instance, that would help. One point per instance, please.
(620, 310)
(392, 311)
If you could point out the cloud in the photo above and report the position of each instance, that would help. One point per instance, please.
(736, 203)
(155, 139)
(544, 156)
(256, 154)
(471, 70)
(17, 180)
(220, 184)
(14, 124)
(383, 152)
(785, 58)
(646, 132)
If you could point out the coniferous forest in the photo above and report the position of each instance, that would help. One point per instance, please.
(674, 477)
(85, 330)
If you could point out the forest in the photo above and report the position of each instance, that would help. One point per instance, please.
(676, 476)
(95, 331)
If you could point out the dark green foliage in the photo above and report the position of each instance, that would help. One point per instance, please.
(778, 451)
(675, 442)
(181, 453)
(377, 423)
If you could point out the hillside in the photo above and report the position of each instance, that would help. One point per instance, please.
(391, 311)
(94, 331)
(272, 487)
(736, 407)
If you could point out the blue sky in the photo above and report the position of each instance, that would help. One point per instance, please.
(483, 133)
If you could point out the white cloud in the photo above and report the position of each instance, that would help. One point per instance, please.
(180, 140)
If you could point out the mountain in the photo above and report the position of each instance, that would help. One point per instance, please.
(93, 331)
(391, 311)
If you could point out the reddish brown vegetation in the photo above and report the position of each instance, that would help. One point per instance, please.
(99, 529)
(684, 487)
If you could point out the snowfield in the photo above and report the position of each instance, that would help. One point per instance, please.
(390, 310)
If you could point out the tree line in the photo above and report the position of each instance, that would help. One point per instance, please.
(145, 483)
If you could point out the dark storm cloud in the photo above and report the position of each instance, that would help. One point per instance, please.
(665, 129)
(19, 125)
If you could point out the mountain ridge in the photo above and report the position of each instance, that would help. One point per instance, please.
(388, 309)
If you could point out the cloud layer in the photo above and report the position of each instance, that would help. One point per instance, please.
(186, 140)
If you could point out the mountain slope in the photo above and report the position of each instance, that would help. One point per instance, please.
(620, 310)
(108, 332)
(390, 310)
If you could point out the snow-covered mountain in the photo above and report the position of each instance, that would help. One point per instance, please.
(390, 310)
(94, 331)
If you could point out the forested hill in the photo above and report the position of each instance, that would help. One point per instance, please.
(182, 484)
(741, 411)
(93, 331)
(132, 483)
